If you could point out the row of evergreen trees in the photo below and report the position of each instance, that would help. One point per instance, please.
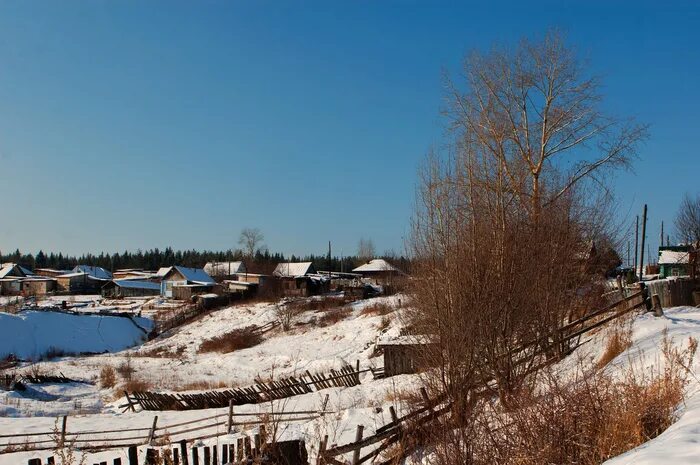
(262, 262)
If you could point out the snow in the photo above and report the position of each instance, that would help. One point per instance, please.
(671, 257)
(378, 264)
(307, 346)
(291, 270)
(31, 334)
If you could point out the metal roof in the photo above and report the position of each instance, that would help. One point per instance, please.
(135, 284)
(195, 275)
(224, 268)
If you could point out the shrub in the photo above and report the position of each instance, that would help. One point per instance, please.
(377, 309)
(125, 369)
(618, 342)
(236, 339)
(136, 385)
(108, 377)
(332, 316)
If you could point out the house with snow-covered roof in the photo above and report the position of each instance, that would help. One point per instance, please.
(674, 261)
(224, 269)
(11, 276)
(180, 282)
(379, 271)
(300, 279)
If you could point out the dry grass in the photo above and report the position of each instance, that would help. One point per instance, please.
(136, 385)
(331, 317)
(321, 304)
(584, 420)
(162, 352)
(377, 309)
(204, 385)
(231, 341)
(108, 377)
(619, 341)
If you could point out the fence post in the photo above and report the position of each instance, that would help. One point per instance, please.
(229, 424)
(152, 433)
(183, 452)
(656, 305)
(63, 430)
(133, 455)
(321, 450)
(358, 438)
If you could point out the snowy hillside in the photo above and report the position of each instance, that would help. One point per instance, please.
(174, 362)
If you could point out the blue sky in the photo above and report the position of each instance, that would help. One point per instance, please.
(129, 124)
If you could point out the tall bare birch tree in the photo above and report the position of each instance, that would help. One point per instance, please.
(505, 221)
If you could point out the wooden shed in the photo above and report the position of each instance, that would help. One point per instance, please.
(402, 354)
(120, 288)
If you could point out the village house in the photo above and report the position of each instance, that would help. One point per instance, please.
(379, 271)
(300, 279)
(50, 272)
(120, 288)
(181, 283)
(38, 285)
(11, 277)
(674, 261)
(83, 279)
(224, 270)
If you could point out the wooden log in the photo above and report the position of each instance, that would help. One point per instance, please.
(207, 456)
(229, 424)
(195, 456)
(63, 430)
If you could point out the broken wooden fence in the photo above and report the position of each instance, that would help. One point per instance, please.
(260, 392)
(208, 427)
(409, 429)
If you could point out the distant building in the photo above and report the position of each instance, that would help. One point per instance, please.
(84, 279)
(38, 285)
(11, 277)
(379, 270)
(180, 282)
(674, 261)
(130, 288)
(224, 270)
(300, 279)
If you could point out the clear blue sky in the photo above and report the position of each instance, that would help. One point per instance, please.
(130, 124)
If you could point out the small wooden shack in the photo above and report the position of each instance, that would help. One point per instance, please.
(402, 354)
(300, 279)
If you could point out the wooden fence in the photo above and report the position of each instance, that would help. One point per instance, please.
(238, 451)
(673, 292)
(201, 428)
(409, 429)
(262, 391)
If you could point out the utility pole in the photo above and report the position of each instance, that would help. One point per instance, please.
(662, 234)
(628, 262)
(644, 232)
(330, 266)
(636, 245)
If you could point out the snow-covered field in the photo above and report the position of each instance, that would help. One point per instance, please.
(31, 334)
(309, 346)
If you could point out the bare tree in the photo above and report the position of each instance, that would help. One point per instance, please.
(251, 240)
(365, 249)
(533, 111)
(504, 223)
(687, 220)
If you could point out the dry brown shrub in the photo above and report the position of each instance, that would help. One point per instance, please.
(321, 304)
(331, 317)
(108, 377)
(204, 385)
(584, 419)
(161, 352)
(237, 339)
(377, 309)
(136, 385)
(619, 341)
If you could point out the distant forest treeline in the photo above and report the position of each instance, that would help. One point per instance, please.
(262, 262)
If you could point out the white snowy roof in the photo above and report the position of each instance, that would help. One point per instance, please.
(224, 268)
(672, 257)
(378, 264)
(7, 268)
(163, 271)
(290, 270)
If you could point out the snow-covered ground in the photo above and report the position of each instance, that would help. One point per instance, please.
(309, 346)
(31, 334)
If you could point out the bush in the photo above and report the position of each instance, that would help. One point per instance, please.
(332, 316)
(617, 343)
(108, 377)
(236, 339)
(377, 309)
(136, 385)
